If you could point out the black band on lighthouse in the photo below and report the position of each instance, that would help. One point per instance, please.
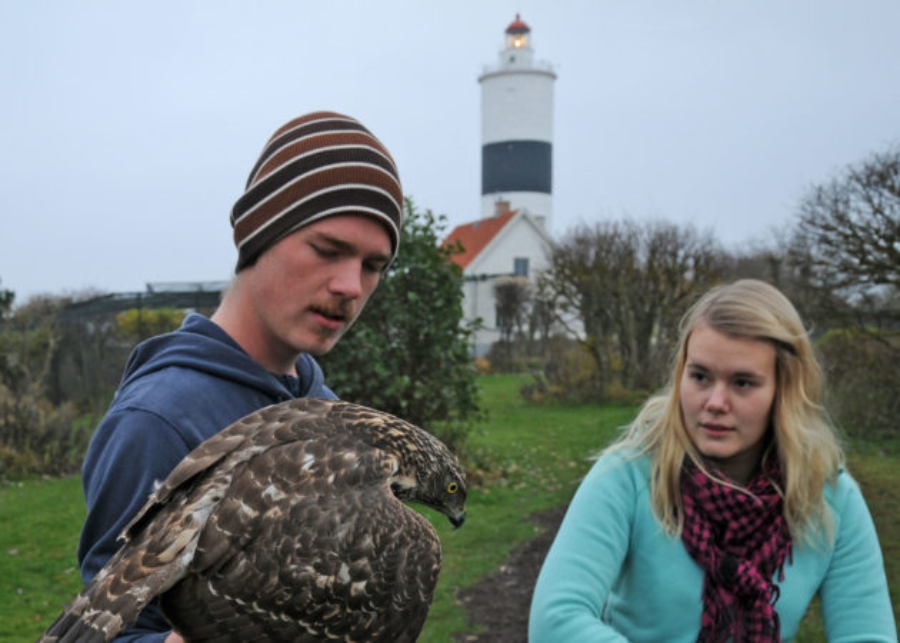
(516, 166)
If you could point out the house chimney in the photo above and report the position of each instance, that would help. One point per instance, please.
(500, 207)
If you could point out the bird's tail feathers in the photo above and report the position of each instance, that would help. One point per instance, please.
(81, 623)
(109, 604)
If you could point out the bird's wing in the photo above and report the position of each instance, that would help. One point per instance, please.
(310, 543)
(282, 526)
(154, 560)
(162, 538)
(235, 444)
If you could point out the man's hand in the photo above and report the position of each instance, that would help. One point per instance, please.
(174, 637)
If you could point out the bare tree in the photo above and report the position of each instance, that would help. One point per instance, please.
(772, 262)
(678, 264)
(847, 239)
(7, 297)
(846, 247)
(513, 297)
(620, 288)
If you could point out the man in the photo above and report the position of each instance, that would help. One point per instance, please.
(318, 225)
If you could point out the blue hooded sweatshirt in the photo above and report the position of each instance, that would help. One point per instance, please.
(178, 390)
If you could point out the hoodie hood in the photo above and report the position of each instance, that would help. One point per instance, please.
(202, 346)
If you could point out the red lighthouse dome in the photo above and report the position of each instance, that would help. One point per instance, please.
(518, 26)
(517, 34)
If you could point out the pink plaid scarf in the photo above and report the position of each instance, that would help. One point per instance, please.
(741, 541)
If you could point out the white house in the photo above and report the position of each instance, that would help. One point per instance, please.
(510, 243)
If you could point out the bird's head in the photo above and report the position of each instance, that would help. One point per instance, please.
(423, 469)
(444, 490)
(431, 475)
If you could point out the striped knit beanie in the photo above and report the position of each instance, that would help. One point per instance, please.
(316, 166)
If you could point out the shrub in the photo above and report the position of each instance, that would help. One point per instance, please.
(38, 437)
(483, 366)
(567, 374)
(408, 353)
(862, 369)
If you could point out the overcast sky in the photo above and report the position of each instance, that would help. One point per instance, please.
(127, 129)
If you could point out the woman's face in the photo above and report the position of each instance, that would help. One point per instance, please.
(727, 393)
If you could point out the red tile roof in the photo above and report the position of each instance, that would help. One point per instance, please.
(475, 236)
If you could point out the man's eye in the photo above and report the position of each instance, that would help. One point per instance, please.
(323, 251)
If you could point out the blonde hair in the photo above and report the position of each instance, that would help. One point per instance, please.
(804, 439)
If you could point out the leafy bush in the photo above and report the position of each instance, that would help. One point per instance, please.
(508, 356)
(483, 366)
(38, 437)
(408, 353)
(137, 324)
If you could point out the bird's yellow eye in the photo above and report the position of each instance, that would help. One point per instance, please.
(452, 487)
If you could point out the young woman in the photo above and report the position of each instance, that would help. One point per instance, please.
(725, 509)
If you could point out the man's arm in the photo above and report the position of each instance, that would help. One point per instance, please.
(131, 452)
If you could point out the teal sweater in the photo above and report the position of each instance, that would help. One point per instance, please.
(613, 574)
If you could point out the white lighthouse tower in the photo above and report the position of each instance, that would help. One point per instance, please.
(517, 129)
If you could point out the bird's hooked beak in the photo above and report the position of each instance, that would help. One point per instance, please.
(457, 519)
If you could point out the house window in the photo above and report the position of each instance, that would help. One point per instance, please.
(499, 318)
(520, 266)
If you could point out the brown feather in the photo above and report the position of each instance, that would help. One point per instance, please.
(286, 526)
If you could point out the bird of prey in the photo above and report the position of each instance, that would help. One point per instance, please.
(288, 525)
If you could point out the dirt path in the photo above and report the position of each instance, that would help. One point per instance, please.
(498, 605)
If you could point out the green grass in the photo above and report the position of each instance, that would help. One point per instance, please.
(537, 454)
(39, 525)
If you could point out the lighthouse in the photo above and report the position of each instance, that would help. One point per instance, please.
(517, 129)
